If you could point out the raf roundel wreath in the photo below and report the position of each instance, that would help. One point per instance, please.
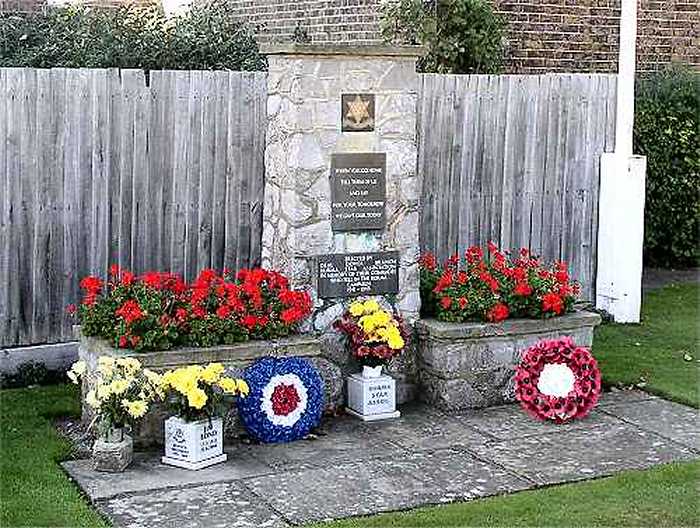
(285, 402)
(557, 381)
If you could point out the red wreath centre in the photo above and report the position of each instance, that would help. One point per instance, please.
(285, 399)
(580, 399)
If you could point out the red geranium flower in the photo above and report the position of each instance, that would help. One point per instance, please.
(523, 289)
(551, 302)
(223, 311)
(130, 311)
(445, 281)
(498, 313)
(249, 321)
(446, 302)
(428, 261)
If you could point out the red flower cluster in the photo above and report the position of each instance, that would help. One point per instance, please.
(258, 301)
(584, 393)
(494, 285)
(158, 310)
(285, 399)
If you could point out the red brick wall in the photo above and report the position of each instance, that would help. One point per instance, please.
(324, 20)
(32, 5)
(542, 36)
(582, 35)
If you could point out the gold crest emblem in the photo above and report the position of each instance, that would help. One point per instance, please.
(357, 112)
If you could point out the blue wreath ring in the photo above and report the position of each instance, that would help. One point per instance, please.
(285, 402)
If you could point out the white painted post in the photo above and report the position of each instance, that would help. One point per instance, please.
(622, 191)
(176, 7)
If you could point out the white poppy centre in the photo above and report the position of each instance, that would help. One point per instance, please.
(556, 379)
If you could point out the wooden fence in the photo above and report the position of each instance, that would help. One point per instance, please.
(515, 159)
(102, 167)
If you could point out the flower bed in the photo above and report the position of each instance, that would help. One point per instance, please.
(494, 286)
(166, 323)
(472, 365)
(159, 311)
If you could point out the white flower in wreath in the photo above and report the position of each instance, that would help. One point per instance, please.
(556, 379)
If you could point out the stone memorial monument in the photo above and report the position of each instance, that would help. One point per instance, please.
(342, 195)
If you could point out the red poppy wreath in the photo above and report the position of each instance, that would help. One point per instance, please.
(557, 381)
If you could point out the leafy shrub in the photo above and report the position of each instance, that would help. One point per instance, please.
(157, 311)
(495, 286)
(462, 36)
(29, 374)
(206, 37)
(666, 131)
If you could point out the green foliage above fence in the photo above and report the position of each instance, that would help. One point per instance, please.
(462, 36)
(667, 125)
(205, 38)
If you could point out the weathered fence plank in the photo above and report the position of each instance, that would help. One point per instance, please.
(100, 167)
(515, 159)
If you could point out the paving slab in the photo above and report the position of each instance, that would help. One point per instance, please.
(454, 474)
(425, 457)
(361, 488)
(426, 429)
(583, 453)
(668, 419)
(624, 396)
(222, 505)
(342, 441)
(147, 473)
(509, 421)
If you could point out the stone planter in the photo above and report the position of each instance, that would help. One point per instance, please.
(113, 452)
(194, 445)
(472, 365)
(236, 357)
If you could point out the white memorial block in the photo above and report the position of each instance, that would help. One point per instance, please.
(372, 398)
(194, 445)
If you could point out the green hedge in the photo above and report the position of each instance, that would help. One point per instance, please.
(462, 36)
(206, 37)
(667, 121)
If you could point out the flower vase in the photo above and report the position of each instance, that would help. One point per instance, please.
(371, 372)
(113, 451)
(194, 445)
(371, 395)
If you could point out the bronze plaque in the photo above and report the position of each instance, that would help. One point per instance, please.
(351, 274)
(357, 112)
(358, 191)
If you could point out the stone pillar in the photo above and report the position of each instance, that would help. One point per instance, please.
(305, 111)
(305, 84)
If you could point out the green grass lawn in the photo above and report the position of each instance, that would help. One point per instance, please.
(34, 491)
(662, 352)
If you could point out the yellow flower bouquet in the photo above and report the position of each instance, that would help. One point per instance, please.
(196, 392)
(120, 393)
(375, 334)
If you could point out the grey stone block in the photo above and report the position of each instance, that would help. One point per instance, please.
(112, 457)
(218, 505)
(472, 365)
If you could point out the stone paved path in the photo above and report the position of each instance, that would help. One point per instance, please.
(425, 457)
